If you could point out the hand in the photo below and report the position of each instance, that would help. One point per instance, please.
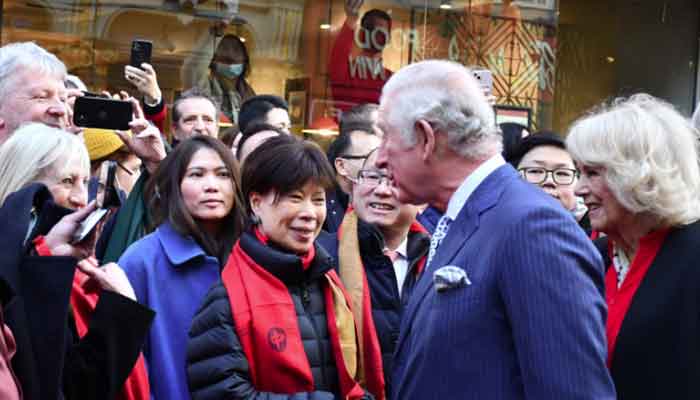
(109, 277)
(71, 95)
(352, 7)
(59, 238)
(146, 141)
(145, 81)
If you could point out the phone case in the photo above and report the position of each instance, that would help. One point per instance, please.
(140, 52)
(103, 113)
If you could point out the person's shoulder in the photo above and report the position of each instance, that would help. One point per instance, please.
(141, 250)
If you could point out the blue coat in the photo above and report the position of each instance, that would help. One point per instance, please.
(530, 321)
(171, 274)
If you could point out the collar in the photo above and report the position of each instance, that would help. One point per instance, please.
(465, 190)
(402, 250)
(284, 265)
(178, 248)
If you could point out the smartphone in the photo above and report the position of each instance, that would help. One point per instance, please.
(484, 78)
(107, 198)
(108, 189)
(141, 52)
(103, 113)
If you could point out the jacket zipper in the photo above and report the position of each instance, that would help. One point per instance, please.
(306, 300)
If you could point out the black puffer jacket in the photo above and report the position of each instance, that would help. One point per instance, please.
(216, 364)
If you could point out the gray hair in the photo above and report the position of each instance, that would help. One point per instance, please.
(649, 152)
(15, 57)
(446, 95)
(34, 151)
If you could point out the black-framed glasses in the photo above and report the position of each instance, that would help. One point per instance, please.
(537, 175)
(356, 157)
(373, 178)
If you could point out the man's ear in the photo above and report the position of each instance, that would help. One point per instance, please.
(425, 137)
(340, 167)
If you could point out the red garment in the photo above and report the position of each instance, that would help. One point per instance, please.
(305, 259)
(366, 84)
(83, 304)
(41, 247)
(267, 326)
(619, 300)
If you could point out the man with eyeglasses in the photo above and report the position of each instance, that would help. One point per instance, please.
(544, 161)
(381, 237)
(346, 154)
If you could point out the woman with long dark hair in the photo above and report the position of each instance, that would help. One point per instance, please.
(194, 197)
(279, 323)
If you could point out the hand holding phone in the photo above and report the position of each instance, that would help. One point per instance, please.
(107, 198)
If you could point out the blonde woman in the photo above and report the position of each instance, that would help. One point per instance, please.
(641, 183)
(106, 326)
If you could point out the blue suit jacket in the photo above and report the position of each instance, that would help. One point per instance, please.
(531, 325)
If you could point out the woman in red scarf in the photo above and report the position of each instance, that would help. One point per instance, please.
(640, 180)
(280, 321)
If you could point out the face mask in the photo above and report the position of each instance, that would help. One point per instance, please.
(229, 70)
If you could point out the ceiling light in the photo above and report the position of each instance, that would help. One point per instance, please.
(446, 4)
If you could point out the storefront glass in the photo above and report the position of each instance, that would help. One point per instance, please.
(304, 50)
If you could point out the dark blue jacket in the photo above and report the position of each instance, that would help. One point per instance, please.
(336, 205)
(387, 307)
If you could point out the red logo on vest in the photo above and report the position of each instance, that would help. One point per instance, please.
(277, 338)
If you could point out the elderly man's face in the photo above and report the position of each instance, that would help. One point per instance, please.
(33, 97)
(402, 162)
(197, 117)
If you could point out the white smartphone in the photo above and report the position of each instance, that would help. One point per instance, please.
(484, 78)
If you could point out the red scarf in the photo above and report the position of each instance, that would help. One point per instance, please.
(136, 386)
(619, 300)
(267, 326)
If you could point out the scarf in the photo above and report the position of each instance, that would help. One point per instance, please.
(267, 326)
(136, 386)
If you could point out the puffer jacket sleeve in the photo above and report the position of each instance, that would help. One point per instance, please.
(217, 367)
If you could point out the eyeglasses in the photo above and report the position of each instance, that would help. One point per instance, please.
(372, 178)
(355, 157)
(537, 175)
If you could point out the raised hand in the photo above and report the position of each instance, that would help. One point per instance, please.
(146, 141)
(146, 82)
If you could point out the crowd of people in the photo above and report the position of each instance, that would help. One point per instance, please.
(428, 254)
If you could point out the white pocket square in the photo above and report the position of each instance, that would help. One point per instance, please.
(450, 277)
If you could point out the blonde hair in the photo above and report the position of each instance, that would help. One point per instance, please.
(34, 151)
(650, 155)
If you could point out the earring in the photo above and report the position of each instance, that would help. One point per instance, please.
(255, 220)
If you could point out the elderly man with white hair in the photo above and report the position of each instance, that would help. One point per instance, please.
(510, 305)
(32, 88)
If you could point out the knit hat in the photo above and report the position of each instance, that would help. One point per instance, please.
(101, 142)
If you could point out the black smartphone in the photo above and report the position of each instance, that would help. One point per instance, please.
(109, 197)
(103, 113)
(141, 52)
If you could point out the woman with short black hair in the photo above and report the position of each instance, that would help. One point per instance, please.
(197, 208)
(279, 323)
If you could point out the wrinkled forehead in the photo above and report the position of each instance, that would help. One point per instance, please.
(33, 79)
(196, 106)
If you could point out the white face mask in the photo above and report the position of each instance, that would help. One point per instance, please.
(229, 70)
